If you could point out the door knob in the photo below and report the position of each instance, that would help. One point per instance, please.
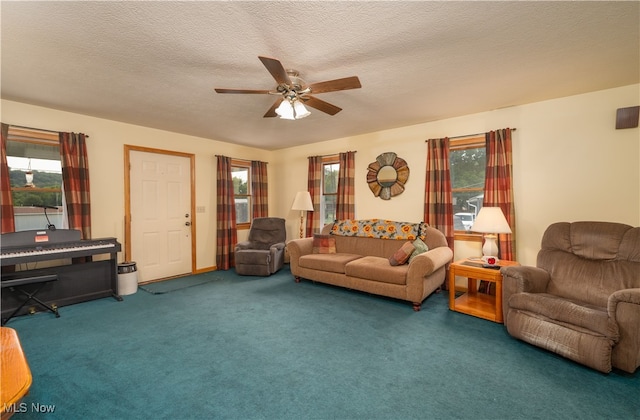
(187, 223)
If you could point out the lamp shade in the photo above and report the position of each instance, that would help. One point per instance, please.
(292, 110)
(491, 220)
(300, 110)
(285, 110)
(302, 201)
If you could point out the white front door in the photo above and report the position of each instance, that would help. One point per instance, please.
(160, 214)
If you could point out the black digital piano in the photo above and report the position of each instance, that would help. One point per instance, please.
(47, 269)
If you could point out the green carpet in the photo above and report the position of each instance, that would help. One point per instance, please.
(167, 286)
(269, 348)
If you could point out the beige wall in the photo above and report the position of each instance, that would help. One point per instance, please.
(569, 164)
(106, 165)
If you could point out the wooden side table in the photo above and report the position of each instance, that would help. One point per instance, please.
(473, 303)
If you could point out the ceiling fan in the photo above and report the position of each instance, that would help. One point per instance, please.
(294, 92)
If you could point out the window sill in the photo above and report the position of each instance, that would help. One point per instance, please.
(37, 189)
(465, 236)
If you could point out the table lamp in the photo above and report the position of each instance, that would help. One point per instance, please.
(303, 203)
(490, 221)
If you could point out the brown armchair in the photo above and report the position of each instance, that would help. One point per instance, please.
(582, 300)
(263, 253)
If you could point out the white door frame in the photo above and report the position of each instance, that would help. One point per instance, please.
(127, 197)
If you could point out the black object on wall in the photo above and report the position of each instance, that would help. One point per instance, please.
(627, 117)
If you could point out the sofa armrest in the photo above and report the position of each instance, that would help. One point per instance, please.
(300, 247)
(423, 266)
(426, 263)
(297, 248)
(623, 307)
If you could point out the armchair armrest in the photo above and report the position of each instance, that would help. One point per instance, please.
(630, 296)
(519, 279)
(525, 279)
(277, 247)
(623, 307)
(242, 245)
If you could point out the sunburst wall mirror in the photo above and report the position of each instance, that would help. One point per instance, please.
(387, 175)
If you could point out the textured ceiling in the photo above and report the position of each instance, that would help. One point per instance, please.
(156, 63)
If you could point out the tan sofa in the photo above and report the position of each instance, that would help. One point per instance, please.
(582, 300)
(362, 263)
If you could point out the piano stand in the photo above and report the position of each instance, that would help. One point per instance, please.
(14, 286)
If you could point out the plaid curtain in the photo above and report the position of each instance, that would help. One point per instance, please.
(227, 235)
(345, 201)
(75, 179)
(438, 206)
(498, 187)
(314, 186)
(6, 200)
(259, 189)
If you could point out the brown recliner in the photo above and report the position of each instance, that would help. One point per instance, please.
(582, 300)
(262, 254)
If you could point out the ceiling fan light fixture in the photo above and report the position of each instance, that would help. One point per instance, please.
(285, 111)
(292, 110)
(300, 110)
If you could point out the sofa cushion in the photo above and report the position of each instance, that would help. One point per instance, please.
(324, 244)
(402, 255)
(568, 312)
(377, 269)
(420, 248)
(366, 246)
(334, 263)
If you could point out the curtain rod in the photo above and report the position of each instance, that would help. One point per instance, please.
(39, 129)
(469, 135)
(333, 154)
(241, 160)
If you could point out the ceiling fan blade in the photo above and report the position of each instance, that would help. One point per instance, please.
(277, 71)
(334, 85)
(220, 90)
(272, 111)
(321, 105)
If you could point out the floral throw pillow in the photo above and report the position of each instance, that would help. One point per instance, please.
(378, 228)
(402, 255)
(324, 244)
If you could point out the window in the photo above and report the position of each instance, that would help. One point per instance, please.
(330, 171)
(241, 175)
(35, 172)
(467, 160)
